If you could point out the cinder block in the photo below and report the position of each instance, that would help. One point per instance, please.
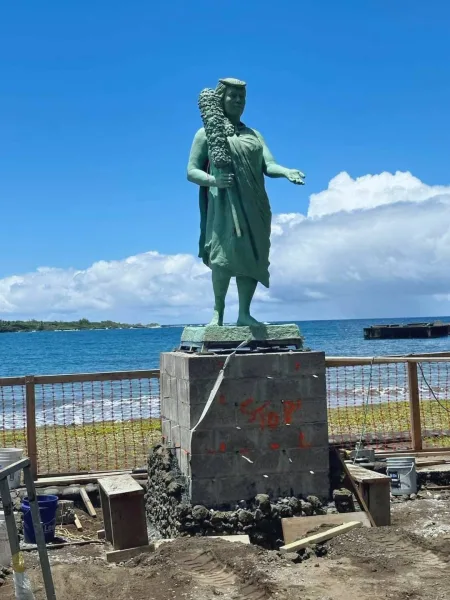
(166, 426)
(211, 465)
(185, 438)
(175, 436)
(183, 392)
(184, 463)
(203, 491)
(218, 415)
(230, 490)
(203, 366)
(166, 364)
(282, 364)
(232, 390)
(305, 388)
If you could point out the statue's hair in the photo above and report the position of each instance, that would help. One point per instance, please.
(229, 82)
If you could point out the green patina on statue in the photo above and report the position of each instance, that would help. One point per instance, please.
(228, 161)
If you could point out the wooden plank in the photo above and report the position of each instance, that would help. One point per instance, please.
(295, 528)
(355, 489)
(362, 475)
(120, 484)
(237, 539)
(106, 511)
(78, 524)
(117, 556)
(359, 361)
(88, 503)
(378, 499)
(414, 407)
(83, 479)
(320, 537)
(375, 490)
(128, 521)
(421, 464)
(30, 400)
(11, 381)
(425, 452)
(107, 376)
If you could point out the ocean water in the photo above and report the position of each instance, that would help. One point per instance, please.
(43, 353)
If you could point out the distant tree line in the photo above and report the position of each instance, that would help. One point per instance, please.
(34, 325)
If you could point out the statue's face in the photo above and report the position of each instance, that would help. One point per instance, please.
(234, 102)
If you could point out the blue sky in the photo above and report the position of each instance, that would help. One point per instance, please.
(98, 107)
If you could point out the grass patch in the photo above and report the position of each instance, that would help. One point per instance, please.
(392, 418)
(101, 446)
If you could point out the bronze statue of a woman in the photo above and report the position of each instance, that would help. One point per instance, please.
(234, 208)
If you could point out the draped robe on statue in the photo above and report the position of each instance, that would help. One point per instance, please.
(247, 255)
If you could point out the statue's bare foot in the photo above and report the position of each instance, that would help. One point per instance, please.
(217, 319)
(247, 321)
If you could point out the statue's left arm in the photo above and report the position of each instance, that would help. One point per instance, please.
(272, 169)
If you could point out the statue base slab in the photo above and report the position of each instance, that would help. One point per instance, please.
(214, 338)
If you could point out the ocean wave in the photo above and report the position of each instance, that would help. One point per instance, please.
(89, 410)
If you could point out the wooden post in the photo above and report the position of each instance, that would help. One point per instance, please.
(414, 406)
(30, 396)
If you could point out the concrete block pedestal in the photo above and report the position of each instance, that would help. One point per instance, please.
(265, 432)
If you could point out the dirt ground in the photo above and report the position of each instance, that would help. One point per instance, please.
(408, 561)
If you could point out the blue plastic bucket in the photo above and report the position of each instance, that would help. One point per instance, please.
(47, 511)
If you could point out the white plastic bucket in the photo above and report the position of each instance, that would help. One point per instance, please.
(5, 550)
(8, 456)
(402, 471)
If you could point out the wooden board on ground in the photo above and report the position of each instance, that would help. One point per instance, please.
(363, 475)
(295, 528)
(240, 539)
(119, 485)
(123, 505)
(88, 503)
(78, 524)
(75, 479)
(320, 537)
(116, 556)
(355, 488)
(373, 491)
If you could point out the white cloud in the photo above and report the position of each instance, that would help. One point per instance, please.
(376, 245)
(370, 191)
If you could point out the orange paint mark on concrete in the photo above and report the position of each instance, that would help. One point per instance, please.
(244, 404)
(289, 408)
(222, 399)
(274, 446)
(302, 443)
(273, 420)
(222, 447)
(297, 366)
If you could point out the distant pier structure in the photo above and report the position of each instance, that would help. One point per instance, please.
(407, 331)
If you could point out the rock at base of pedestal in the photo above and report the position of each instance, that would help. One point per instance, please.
(171, 513)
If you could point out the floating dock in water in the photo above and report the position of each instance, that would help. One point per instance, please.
(406, 331)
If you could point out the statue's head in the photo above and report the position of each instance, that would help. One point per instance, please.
(233, 94)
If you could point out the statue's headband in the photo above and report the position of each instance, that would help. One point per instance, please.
(232, 82)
